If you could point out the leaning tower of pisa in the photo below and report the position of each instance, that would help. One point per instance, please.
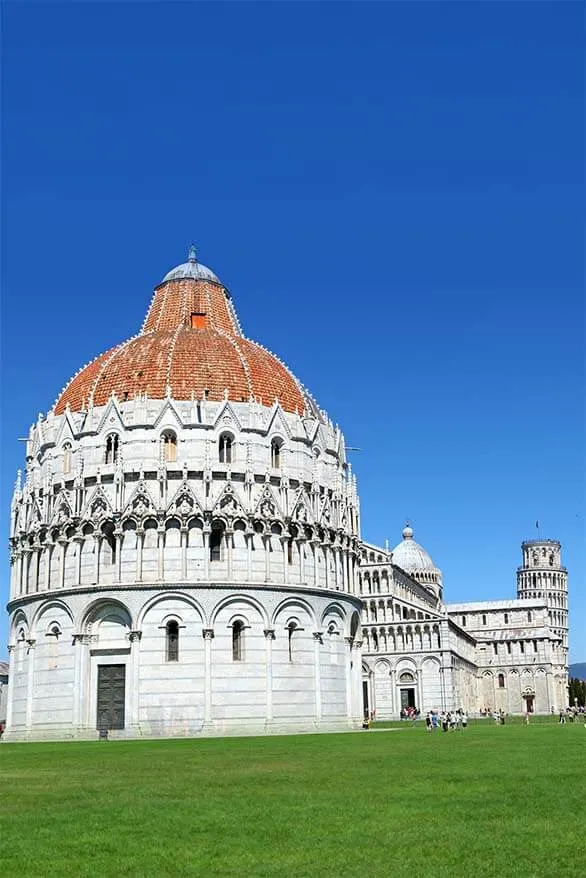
(542, 576)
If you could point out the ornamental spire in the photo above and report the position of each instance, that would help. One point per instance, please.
(192, 253)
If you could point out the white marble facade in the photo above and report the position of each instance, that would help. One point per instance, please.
(107, 554)
(506, 655)
(199, 560)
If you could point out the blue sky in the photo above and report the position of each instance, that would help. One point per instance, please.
(392, 192)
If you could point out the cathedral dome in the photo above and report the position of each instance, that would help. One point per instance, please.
(190, 346)
(412, 557)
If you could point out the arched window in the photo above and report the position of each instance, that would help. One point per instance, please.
(67, 458)
(225, 448)
(172, 641)
(216, 541)
(108, 532)
(238, 641)
(501, 679)
(276, 446)
(291, 628)
(169, 446)
(112, 443)
(529, 617)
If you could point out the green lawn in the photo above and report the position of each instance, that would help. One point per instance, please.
(489, 801)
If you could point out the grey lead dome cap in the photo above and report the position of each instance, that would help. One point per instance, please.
(191, 269)
(410, 556)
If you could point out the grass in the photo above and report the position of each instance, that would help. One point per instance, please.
(488, 801)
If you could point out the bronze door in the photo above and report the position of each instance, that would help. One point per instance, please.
(111, 696)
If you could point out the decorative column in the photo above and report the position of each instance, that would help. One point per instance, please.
(267, 546)
(349, 641)
(317, 643)
(395, 708)
(285, 552)
(302, 544)
(30, 681)
(118, 536)
(208, 635)
(134, 682)
(139, 547)
(327, 563)
(97, 550)
(50, 548)
(269, 637)
(249, 538)
(82, 695)
(161, 552)
(184, 538)
(35, 569)
(315, 546)
(206, 551)
(11, 676)
(358, 708)
(79, 541)
(229, 537)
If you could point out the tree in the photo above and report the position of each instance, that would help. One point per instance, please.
(577, 692)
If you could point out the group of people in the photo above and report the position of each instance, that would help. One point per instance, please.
(570, 714)
(451, 720)
(410, 713)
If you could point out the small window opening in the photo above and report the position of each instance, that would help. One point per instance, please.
(290, 632)
(509, 648)
(216, 542)
(169, 446)
(506, 618)
(172, 641)
(289, 551)
(484, 620)
(522, 646)
(534, 646)
(501, 679)
(238, 641)
(198, 320)
(110, 538)
(495, 648)
(463, 621)
(112, 443)
(225, 448)
(66, 458)
(529, 616)
(276, 454)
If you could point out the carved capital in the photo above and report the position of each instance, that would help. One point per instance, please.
(85, 639)
(134, 636)
(11, 647)
(349, 641)
(31, 643)
(318, 636)
(269, 633)
(357, 644)
(208, 633)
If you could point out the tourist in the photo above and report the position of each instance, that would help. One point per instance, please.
(464, 718)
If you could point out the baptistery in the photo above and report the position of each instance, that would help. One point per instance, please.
(184, 542)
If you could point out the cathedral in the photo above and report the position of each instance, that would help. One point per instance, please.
(186, 559)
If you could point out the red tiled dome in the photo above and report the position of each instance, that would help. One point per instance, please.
(190, 345)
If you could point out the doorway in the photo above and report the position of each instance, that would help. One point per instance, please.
(111, 696)
(365, 704)
(529, 703)
(407, 698)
